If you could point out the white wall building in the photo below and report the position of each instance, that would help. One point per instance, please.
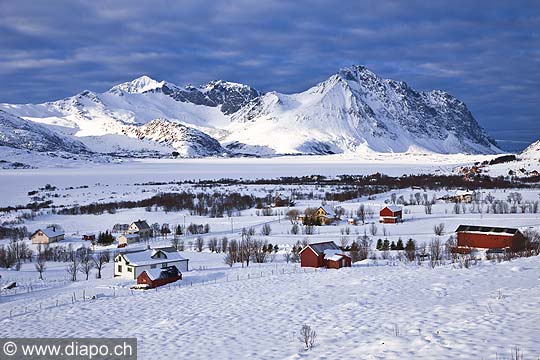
(132, 264)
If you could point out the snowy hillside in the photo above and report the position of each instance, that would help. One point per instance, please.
(23, 134)
(187, 141)
(354, 111)
(532, 151)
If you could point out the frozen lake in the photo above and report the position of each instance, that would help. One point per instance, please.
(15, 184)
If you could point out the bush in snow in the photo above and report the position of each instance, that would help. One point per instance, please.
(307, 336)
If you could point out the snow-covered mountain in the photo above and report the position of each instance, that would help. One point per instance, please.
(532, 151)
(352, 112)
(357, 110)
(23, 134)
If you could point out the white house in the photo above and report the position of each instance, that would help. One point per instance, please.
(130, 265)
(141, 228)
(47, 235)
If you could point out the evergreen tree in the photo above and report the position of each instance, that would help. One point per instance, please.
(399, 245)
(393, 246)
(379, 244)
(386, 244)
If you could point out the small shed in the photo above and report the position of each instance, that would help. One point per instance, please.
(159, 277)
(336, 259)
(324, 254)
(489, 237)
(128, 239)
(391, 214)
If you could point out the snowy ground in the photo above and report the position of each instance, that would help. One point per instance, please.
(375, 310)
(368, 311)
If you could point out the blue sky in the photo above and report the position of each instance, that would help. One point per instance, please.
(486, 53)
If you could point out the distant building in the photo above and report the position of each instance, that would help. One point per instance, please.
(120, 227)
(489, 237)
(324, 254)
(131, 264)
(47, 235)
(534, 173)
(128, 239)
(159, 277)
(391, 214)
(459, 197)
(141, 228)
(323, 215)
(89, 237)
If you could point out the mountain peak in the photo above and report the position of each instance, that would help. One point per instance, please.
(137, 86)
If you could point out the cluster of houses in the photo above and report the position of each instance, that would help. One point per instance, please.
(131, 233)
(324, 215)
(328, 255)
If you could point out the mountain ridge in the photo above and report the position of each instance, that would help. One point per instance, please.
(353, 111)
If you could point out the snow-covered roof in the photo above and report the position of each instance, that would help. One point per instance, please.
(51, 231)
(151, 257)
(393, 208)
(319, 248)
(155, 274)
(142, 225)
(328, 210)
(488, 230)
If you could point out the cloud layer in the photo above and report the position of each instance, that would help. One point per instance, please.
(487, 53)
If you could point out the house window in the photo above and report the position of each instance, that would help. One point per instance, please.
(130, 269)
(164, 265)
(153, 266)
(119, 268)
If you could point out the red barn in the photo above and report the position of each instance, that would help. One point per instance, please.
(159, 277)
(391, 214)
(324, 254)
(488, 237)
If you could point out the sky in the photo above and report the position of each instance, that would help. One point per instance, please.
(486, 53)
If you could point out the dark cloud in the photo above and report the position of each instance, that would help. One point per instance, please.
(487, 53)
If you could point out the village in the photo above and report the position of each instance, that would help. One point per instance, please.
(284, 233)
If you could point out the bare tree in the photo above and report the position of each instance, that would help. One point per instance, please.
(292, 215)
(73, 267)
(100, 260)
(40, 266)
(373, 229)
(266, 230)
(287, 256)
(361, 213)
(199, 243)
(86, 263)
(438, 229)
(307, 336)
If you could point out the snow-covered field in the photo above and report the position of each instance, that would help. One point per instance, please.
(378, 309)
(367, 311)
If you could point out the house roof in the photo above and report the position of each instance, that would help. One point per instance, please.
(150, 257)
(155, 274)
(51, 231)
(487, 230)
(329, 211)
(142, 225)
(319, 248)
(392, 208)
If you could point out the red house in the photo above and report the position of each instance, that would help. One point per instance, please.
(324, 254)
(159, 277)
(390, 215)
(488, 237)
